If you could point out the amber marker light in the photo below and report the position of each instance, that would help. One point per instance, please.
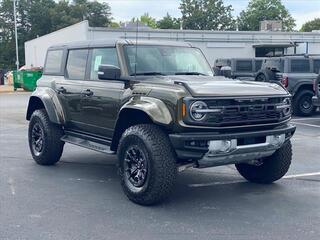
(184, 110)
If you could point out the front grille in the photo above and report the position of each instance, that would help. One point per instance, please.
(235, 112)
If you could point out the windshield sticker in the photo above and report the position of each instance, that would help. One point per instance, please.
(97, 62)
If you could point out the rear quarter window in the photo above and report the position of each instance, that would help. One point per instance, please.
(244, 66)
(300, 65)
(316, 66)
(53, 62)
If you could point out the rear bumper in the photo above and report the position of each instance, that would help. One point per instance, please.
(316, 101)
(204, 157)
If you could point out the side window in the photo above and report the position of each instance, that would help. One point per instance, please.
(244, 66)
(316, 66)
(100, 56)
(300, 65)
(76, 64)
(258, 65)
(53, 62)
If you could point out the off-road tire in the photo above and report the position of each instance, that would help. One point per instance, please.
(161, 162)
(266, 76)
(52, 145)
(298, 103)
(272, 169)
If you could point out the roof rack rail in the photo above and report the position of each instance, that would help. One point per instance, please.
(306, 55)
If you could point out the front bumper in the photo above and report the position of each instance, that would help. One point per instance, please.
(244, 152)
(316, 101)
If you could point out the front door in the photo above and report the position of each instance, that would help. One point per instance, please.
(69, 88)
(101, 99)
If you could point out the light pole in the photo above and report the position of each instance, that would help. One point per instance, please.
(16, 33)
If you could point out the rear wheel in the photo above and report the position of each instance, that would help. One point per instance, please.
(44, 139)
(147, 164)
(271, 168)
(302, 103)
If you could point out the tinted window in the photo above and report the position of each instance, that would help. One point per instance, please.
(76, 64)
(54, 61)
(317, 66)
(258, 65)
(300, 65)
(107, 56)
(244, 66)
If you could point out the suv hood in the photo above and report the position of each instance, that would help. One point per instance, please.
(224, 87)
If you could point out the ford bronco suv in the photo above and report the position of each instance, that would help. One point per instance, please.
(159, 108)
(316, 87)
(296, 74)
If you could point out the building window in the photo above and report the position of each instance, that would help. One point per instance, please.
(269, 51)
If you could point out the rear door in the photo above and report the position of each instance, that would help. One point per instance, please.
(101, 104)
(69, 89)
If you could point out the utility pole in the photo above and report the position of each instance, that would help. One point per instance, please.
(16, 33)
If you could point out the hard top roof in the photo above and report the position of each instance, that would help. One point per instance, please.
(113, 42)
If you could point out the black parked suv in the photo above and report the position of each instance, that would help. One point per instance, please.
(295, 73)
(159, 108)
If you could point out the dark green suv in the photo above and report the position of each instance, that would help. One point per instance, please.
(159, 108)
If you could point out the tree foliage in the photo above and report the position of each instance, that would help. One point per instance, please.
(39, 17)
(311, 25)
(168, 22)
(207, 15)
(260, 10)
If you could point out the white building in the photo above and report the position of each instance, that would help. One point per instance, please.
(215, 44)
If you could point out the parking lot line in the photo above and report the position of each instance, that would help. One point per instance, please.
(305, 119)
(302, 175)
(306, 124)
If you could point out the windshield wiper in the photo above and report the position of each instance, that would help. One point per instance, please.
(190, 73)
(147, 74)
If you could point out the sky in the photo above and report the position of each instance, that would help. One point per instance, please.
(124, 10)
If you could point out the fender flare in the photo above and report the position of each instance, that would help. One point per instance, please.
(302, 84)
(50, 101)
(154, 108)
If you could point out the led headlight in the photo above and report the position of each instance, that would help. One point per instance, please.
(287, 103)
(285, 107)
(198, 110)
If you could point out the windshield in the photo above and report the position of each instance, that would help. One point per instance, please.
(166, 60)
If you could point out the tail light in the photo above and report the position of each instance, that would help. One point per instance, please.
(315, 85)
(285, 81)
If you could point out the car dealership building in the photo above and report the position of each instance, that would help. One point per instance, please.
(214, 44)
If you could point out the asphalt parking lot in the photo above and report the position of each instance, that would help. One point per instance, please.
(81, 197)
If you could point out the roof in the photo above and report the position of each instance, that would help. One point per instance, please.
(113, 42)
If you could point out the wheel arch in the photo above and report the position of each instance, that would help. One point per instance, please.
(302, 86)
(46, 99)
(144, 110)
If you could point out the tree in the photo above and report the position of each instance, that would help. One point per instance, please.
(311, 25)
(260, 10)
(148, 20)
(168, 22)
(207, 15)
(39, 17)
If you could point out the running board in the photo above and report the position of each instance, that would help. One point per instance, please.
(89, 144)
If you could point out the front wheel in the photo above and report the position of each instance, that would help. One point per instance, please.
(44, 139)
(147, 164)
(271, 169)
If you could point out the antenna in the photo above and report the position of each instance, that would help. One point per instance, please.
(136, 54)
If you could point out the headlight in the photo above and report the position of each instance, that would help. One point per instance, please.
(285, 107)
(198, 110)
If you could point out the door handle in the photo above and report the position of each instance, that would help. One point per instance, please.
(61, 90)
(87, 93)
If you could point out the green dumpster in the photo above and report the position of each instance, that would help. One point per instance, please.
(26, 79)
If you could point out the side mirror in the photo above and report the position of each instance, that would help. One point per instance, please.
(109, 72)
